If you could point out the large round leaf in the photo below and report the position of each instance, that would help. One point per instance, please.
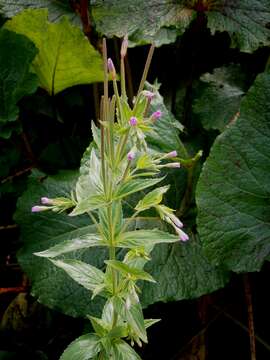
(233, 192)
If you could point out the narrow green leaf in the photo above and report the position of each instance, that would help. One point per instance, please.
(86, 275)
(101, 327)
(122, 351)
(89, 204)
(135, 319)
(152, 198)
(141, 238)
(86, 347)
(150, 322)
(135, 185)
(83, 242)
(132, 272)
(65, 56)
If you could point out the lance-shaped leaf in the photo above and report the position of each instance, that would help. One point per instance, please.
(17, 54)
(128, 271)
(82, 242)
(89, 204)
(84, 348)
(142, 238)
(133, 316)
(84, 274)
(233, 190)
(58, 8)
(122, 351)
(218, 97)
(65, 56)
(152, 198)
(134, 185)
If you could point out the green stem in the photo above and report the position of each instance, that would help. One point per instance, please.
(146, 68)
(112, 257)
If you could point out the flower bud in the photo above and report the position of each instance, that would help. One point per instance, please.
(46, 201)
(39, 208)
(176, 221)
(174, 165)
(124, 46)
(171, 154)
(111, 68)
(131, 155)
(156, 115)
(133, 121)
(148, 94)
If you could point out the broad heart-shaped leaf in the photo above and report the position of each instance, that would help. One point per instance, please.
(181, 271)
(17, 54)
(218, 96)
(234, 189)
(86, 347)
(57, 8)
(246, 21)
(65, 56)
(157, 20)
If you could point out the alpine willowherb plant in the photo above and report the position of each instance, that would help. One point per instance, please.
(120, 164)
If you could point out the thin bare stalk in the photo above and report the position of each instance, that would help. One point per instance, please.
(146, 68)
(250, 317)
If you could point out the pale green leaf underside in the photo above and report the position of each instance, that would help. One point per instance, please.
(234, 189)
(84, 274)
(123, 351)
(141, 238)
(85, 347)
(78, 243)
(65, 56)
(125, 269)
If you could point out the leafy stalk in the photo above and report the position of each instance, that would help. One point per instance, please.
(120, 164)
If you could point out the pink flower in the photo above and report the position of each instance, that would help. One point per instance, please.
(156, 115)
(111, 68)
(148, 94)
(131, 155)
(39, 208)
(171, 154)
(46, 201)
(133, 121)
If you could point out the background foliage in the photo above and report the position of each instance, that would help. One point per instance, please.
(212, 63)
